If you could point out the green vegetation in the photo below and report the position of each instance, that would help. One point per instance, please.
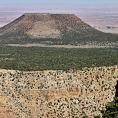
(85, 117)
(37, 58)
(92, 37)
(96, 116)
(111, 109)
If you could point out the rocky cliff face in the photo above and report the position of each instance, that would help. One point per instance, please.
(6, 113)
(57, 94)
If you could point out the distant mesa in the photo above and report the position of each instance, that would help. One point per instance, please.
(41, 25)
(57, 29)
(110, 27)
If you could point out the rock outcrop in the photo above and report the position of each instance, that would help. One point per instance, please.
(57, 94)
(6, 113)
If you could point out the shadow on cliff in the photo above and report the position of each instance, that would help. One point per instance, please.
(116, 94)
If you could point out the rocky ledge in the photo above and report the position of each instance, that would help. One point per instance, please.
(57, 94)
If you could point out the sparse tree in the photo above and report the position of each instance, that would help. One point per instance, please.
(111, 109)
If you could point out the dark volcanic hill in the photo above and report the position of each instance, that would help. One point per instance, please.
(52, 29)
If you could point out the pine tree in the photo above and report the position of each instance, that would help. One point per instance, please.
(111, 109)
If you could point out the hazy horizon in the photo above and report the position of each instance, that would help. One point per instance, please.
(95, 13)
(69, 2)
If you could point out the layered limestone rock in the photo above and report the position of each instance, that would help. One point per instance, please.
(57, 94)
(6, 113)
